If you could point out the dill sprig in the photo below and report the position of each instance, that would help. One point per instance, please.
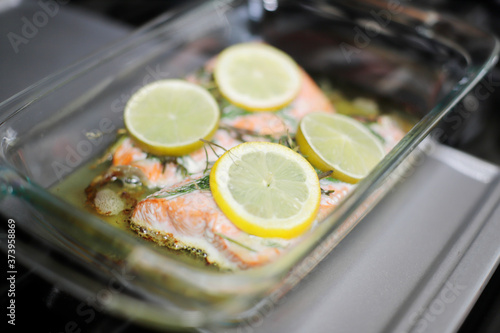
(325, 174)
(200, 184)
(231, 111)
(238, 133)
(327, 192)
(274, 244)
(210, 144)
(235, 242)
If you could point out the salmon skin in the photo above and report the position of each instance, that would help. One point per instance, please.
(182, 213)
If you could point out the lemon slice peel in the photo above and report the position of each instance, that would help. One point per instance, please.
(339, 143)
(266, 189)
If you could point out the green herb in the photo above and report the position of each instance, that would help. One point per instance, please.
(196, 185)
(288, 141)
(231, 111)
(210, 144)
(380, 137)
(274, 244)
(181, 167)
(235, 242)
(206, 159)
(238, 133)
(205, 78)
(325, 174)
(327, 192)
(287, 117)
(333, 180)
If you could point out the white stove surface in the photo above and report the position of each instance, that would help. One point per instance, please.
(416, 263)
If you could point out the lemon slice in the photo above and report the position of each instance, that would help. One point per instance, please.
(257, 77)
(339, 143)
(169, 117)
(266, 189)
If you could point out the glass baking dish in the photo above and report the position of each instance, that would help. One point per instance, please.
(419, 60)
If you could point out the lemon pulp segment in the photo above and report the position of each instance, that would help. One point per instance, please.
(257, 77)
(339, 143)
(169, 117)
(266, 189)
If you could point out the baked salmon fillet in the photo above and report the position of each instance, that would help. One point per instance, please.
(182, 213)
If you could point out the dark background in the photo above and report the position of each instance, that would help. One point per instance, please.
(49, 309)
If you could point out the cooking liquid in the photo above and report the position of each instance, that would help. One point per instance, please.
(74, 190)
